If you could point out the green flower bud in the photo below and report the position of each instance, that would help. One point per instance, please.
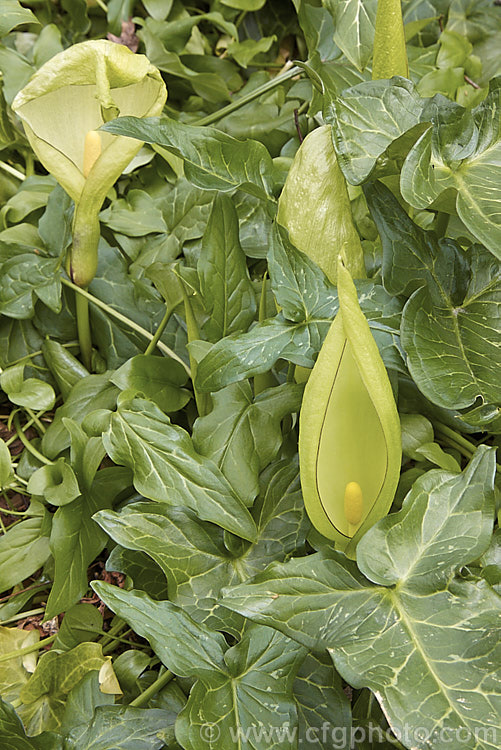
(315, 207)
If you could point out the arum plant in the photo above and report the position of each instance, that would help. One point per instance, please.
(390, 54)
(62, 108)
(349, 431)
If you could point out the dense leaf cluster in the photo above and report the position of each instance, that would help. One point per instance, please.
(174, 462)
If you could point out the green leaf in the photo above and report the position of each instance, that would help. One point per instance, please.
(140, 568)
(64, 366)
(88, 394)
(133, 297)
(47, 45)
(128, 667)
(374, 123)
(175, 34)
(168, 469)
(473, 21)
(461, 151)
(209, 85)
(24, 548)
(120, 728)
(238, 678)
(31, 196)
(16, 70)
(77, 10)
(44, 694)
(84, 698)
(75, 539)
(13, 732)
(226, 288)
(56, 482)
(408, 251)
(248, 5)
(244, 52)
(14, 671)
(441, 335)
(192, 553)
(118, 11)
(6, 470)
(434, 453)
(322, 704)
(416, 430)
(242, 434)
(185, 212)
(244, 355)
(451, 323)
(26, 276)
(301, 288)
(158, 378)
(409, 637)
(158, 9)
(86, 454)
(354, 23)
(212, 159)
(54, 226)
(30, 393)
(79, 625)
(134, 216)
(12, 14)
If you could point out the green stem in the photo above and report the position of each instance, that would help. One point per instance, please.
(13, 594)
(112, 632)
(468, 447)
(268, 86)
(464, 446)
(126, 321)
(28, 649)
(102, 5)
(201, 399)
(111, 646)
(21, 615)
(29, 163)
(268, 66)
(29, 447)
(121, 639)
(240, 18)
(26, 426)
(34, 419)
(83, 264)
(38, 353)
(291, 371)
(158, 333)
(152, 690)
(12, 171)
(83, 327)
